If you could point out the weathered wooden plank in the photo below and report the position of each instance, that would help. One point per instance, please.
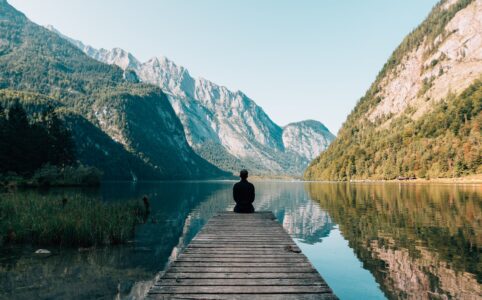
(208, 252)
(243, 296)
(280, 251)
(237, 254)
(233, 222)
(232, 241)
(240, 282)
(241, 218)
(212, 264)
(288, 289)
(237, 228)
(240, 245)
(257, 215)
(265, 237)
(240, 251)
(284, 250)
(245, 259)
(253, 241)
(240, 228)
(311, 276)
(243, 234)
(241, 231)
(242, 269)
(240, 221)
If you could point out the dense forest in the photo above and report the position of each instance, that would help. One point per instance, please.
(38, 150)
(445, 142)
(26, 146)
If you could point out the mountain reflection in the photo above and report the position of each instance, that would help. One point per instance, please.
(124, 271)
(419, 241)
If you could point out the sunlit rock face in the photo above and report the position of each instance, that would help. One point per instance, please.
(448, 64)
(225, 127)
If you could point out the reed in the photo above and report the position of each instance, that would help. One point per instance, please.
(76, 221)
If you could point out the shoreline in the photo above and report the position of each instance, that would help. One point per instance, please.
(470, 179)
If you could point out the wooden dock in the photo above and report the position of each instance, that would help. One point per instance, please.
(241, 256)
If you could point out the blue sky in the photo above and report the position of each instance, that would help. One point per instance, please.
(307, 59)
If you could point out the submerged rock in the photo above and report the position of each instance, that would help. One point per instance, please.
(43, 252)
(82, 249)
(142, 249)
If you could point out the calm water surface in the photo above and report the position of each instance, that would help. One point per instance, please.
(368, 241)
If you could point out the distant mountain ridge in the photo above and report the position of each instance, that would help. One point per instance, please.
(226, 128)
(422, 115)
(126, 129)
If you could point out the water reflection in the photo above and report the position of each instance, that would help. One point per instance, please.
(367, 240)
(419, 241)
(121, 271)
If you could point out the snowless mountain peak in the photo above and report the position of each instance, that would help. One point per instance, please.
(51, 28)
(116, 56)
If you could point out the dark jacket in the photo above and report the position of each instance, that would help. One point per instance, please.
(243, 194)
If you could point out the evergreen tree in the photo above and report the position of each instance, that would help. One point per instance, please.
(26, 147)
(3, 139)
(61, 147)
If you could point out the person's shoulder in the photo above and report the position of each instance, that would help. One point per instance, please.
(250, 184)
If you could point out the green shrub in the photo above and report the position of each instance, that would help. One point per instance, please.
(66, 176)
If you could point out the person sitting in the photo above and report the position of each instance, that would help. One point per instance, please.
(243, 194)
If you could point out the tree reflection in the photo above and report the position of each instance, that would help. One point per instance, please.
(419, 241)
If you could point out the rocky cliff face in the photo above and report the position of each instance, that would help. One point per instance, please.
(226, 128)
(141, 136)
(449, 63)
(421, 117)
(307, 138)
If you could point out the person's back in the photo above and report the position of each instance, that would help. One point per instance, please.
(243, 194)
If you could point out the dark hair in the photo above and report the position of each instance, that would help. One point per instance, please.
(243, 174)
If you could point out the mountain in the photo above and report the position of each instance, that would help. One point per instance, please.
(127, 129)
(422, 115)
(307, 138)
(224, 127)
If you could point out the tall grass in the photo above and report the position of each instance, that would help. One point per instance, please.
(78, 222)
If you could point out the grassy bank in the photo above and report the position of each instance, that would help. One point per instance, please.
(67, 221)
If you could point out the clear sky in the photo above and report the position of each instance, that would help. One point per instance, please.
(303, 59)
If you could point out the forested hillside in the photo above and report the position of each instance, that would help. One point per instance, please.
(422, 115)
(111, 116)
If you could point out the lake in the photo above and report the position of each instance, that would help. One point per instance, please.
(367, 240)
